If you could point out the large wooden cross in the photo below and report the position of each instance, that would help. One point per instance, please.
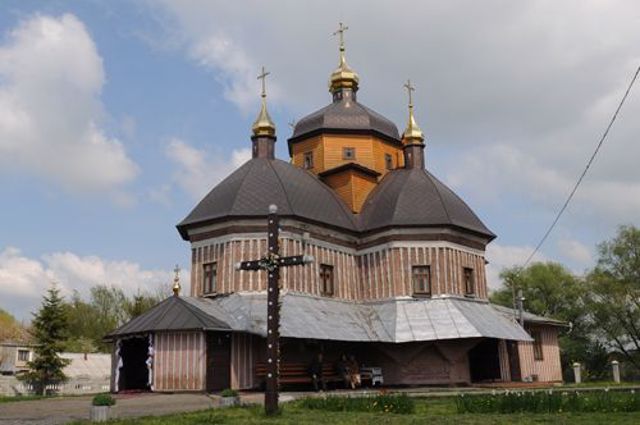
(271, 263)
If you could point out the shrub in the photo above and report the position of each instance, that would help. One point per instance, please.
(229, 393)
(103, 400)
(550, 401)
(383, 403)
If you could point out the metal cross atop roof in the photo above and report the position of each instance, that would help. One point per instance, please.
(263, 77)
(340, 32)
(410, 89)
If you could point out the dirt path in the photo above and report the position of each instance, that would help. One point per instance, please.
(62, 410)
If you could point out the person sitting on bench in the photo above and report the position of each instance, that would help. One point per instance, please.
(315, 370)
(354, 372)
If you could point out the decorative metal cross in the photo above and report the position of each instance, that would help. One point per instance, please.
(272, 262)
(340, 32)
(263, 77)
(410, 89)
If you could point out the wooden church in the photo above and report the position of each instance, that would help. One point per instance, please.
(398, 278)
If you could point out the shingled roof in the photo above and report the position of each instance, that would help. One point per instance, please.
(172, 314)
(260, 182)
(414, 197)
(346, 115)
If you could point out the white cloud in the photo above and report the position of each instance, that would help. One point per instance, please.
(198, 171)
(575, 251)
(505, 256)
(24, 280)
(51, 77)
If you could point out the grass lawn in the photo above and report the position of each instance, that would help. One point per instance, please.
(428, 411)
(7, 399)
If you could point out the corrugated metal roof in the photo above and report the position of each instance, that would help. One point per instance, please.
(399, 320)
(529, 317)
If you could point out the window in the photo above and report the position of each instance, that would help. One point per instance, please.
(537, 345)
(421, 276)
(348, 153)
(469, 281)
(388, 161)
(308, 160)
(23, 355)
(326, 279)
(209, 278)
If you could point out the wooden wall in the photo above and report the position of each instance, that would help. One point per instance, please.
(179, 361)
(379, 273)
(549, 369)
(245, 352)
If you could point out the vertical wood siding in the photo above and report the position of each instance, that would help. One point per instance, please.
(375, 274)
(505, 371)
(549, 369)
(242, 361)
(179, 361)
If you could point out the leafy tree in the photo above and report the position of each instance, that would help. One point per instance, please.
(11, 329)
(614, 294)
(551, 290)
(49, 330)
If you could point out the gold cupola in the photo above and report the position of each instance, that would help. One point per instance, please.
(343, 77)
(263, 126)
(412, 134)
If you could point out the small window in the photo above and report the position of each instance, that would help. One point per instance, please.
(388, 161)
(308, 160)
(23, 355)
(469, 281)
(537, 345)
(209, 278)
(326, 279)
(348, 153)
(421, 276)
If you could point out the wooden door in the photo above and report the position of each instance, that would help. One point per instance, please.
(514, 361)
(218, 361)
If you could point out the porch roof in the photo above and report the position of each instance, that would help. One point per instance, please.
(396, 320)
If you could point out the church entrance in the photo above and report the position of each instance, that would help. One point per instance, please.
(484, 361)
(134, 373)
(218, 361)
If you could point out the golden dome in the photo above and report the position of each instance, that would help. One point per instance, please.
(263, 125)
(343, 77)
(413, 133)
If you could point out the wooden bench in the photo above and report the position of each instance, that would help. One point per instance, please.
(298, 373)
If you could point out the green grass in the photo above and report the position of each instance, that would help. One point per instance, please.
(7, 399)
(428, 411)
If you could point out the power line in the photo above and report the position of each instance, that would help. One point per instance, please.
(584, 172)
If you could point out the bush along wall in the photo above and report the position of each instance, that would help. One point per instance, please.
(550, 401)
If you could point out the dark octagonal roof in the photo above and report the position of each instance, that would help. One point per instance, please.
(414, 197)
(260, 182)
(346, 115)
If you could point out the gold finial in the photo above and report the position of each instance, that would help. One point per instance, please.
(413, 133)
(176, 281)
(263, 125)
(343, 76)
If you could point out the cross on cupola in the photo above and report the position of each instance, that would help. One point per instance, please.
(263, 129)
(271, 263)
(176, 281)
(413, 137)
(343, 82)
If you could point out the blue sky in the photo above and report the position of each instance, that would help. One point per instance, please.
(116, 116)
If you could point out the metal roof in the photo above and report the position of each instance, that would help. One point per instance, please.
(306, 316)
(530, 317)
(260, 182)
(414, 197)
(345, 115)
(174, 313)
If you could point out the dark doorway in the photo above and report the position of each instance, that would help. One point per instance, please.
(484, 361)
(514, 360)
(218, 361)
(134, 374)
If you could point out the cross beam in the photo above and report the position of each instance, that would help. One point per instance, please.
(272, 263)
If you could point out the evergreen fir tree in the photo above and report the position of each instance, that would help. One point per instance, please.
(49, 331)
